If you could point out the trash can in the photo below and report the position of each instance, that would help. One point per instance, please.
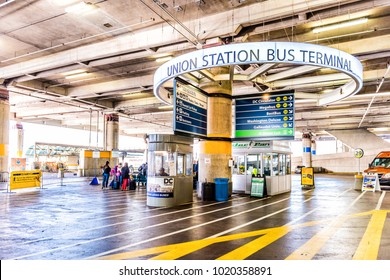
(208, 191)
(221, 189)
(358, 182)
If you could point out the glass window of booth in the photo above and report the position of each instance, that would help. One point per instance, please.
(282, 164)
(276, 164)
(180, 164)
(239, 165)
(252, 165)
(188, 165)
(267, 164)
(158, 160)
(288, 163)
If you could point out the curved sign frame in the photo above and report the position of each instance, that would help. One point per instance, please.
(311, 56)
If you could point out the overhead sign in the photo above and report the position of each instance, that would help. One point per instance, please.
(190, 110)
(266, 52)
(96, 154)
(268, 116)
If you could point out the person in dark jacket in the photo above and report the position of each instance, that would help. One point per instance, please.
(106, 174)
(125, 176)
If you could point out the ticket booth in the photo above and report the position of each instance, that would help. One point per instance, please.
(269, 158)
(170, 175)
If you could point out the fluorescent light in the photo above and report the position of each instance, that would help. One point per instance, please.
(79, 75)
(163, 59)
(72, 72)
(165, 107)
(63, 2)
(80, 8)
(6, 3)
(340, 25)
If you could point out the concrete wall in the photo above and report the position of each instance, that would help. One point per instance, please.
(341, 162)
(346, 162)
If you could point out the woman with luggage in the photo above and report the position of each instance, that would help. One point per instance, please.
(125, 176)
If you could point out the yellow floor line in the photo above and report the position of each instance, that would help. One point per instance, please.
(308, 250)
(369, 245)
(256, 245)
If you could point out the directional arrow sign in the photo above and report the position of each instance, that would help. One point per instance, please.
(190, 113)
(268, 116)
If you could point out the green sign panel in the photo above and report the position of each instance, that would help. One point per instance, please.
(268, 116)
(258, 187)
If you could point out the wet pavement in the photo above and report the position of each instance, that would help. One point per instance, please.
(75, 220)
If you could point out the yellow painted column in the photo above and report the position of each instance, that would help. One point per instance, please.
(215, 153)
(4, 133)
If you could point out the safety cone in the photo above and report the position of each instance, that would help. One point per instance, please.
(94, 181)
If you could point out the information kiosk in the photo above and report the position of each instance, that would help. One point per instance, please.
(170, 176)
(259, 158)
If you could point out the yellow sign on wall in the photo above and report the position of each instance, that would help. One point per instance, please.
(25, 179)
(307, 176)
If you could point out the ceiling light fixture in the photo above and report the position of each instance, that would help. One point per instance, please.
(165, 107)
(340, 25)
(81, 8)
(78, 75)
(6, 3)
(163, 59)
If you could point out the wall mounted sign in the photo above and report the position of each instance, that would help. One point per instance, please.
(268, 116)
(251, 144)
(161, 187)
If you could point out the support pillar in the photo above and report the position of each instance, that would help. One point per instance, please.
(112, 133)
(306, 144)
(4, 134)
(215, 152)
(20, 140)
(313, 148)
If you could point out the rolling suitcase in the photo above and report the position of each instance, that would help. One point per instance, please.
(132, 185)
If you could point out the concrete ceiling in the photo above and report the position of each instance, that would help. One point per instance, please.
(116, 43)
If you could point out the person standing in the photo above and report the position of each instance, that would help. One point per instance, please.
(106, 174)
(125, 176)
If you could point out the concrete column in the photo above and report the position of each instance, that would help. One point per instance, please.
(313, 147)
(306, 144)
(20, 140)
(112, 133)
(214, 153)
(4, 134)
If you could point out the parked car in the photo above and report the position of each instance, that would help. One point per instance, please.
(381, 166)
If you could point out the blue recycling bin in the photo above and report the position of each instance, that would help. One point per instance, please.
(221, 189)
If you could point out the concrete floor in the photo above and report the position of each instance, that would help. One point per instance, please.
(79, 221)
